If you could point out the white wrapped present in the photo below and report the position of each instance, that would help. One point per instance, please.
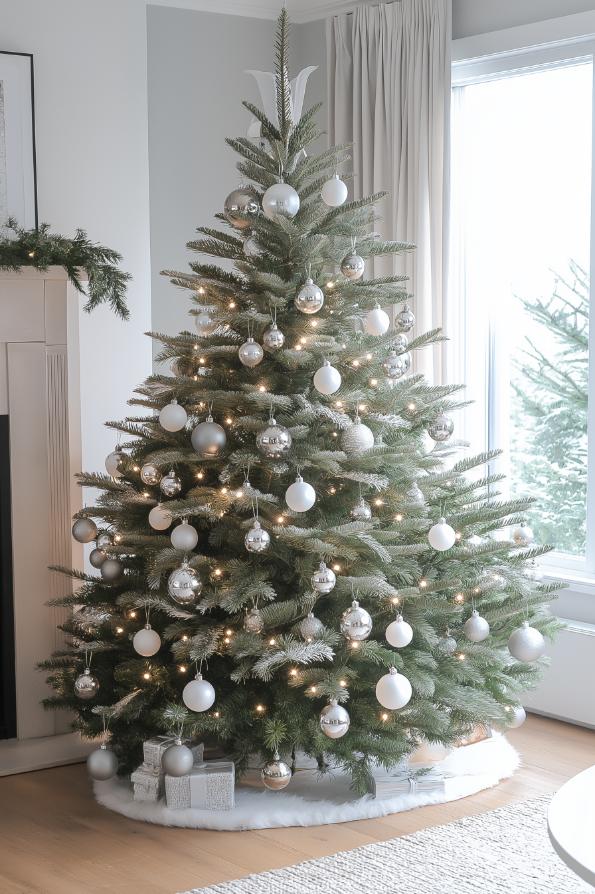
(207, 787)
(399, 782)
(153, 750)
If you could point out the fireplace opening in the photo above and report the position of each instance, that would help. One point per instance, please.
(8, 710)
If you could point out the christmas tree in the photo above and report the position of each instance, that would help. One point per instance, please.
(549, 452)
(289, 515)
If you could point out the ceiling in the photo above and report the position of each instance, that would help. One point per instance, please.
(299, 10)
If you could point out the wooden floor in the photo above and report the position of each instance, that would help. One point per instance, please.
(54, 839)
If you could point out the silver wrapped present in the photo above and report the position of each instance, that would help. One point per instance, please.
(147, 782)
(405, 782)
(153, 750)
(207, 787)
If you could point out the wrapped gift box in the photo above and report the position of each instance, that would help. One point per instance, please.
(153, 750)
(477, 734)
(207, 787)
(405, 782)
(149, 779)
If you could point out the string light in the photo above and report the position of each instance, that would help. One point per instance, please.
(201, 360)
(395, 600)
(229, 632)
(227, 640)
(195, 347)
(232, 305)
(336, 567)
(262, 388)
(200, 475)
(217, 572)
(117, 538)
(182, 668)
(411, 407)
(398, 517)
(239, 493)
(373, 382)
(217, 715)
(423, 584)
(136, 468)
(330, 285)
(384, 717)
(119, 630)
(272, 641)
(335, 434)
(223, 490)
(229, 420)
(332, 490)
(146, 494)
(298, 347)
(146, 675)
(293, 672)
(354, 644)
(368, 356)
(31, 254)
(313, 690)
(260, 709)
(184, 638)
(378, 502)
(303, 340)
(201, 290)
(355, 363)
(458, 535)
(339, 404)
(343, 683)
(314, 323)
(461, 656)
(132, 614)
(459, 598)
(280, 519)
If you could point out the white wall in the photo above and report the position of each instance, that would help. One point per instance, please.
(480, 16)
(92, 169)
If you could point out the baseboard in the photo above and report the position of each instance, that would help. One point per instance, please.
(27, 755)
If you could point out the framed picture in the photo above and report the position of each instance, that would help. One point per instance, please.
(18, 188)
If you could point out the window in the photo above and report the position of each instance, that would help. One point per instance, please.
(519, 279)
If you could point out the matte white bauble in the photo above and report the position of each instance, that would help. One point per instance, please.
(334, 720)
(205, 324)
(178, 759)
(376, 322)
(184, 537)
(310, 298)
(102, 764)
(160, 518)
(334, 192)
(173, 417)
(526, 643)
(393, 690)
(300, 496)
(476, 628)
(357, 438)
(250, 353)
(399, 634)
(441, 536)
(198, 694)
(115, 463)
(280, 200)
(146, 642)
(515, 716)
(327, 379)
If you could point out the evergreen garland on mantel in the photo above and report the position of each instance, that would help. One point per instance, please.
(41, 249)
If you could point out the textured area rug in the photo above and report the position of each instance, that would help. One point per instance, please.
(311, 800)
(506, 851)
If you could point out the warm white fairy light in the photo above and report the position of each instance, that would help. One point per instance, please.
(280, 519)
(119, 630)
(146, 494)
(373, 382)
(217, 715)
(223, 490)
(423, 584)
(200, 475)
(399, 517)
(384, 717)
(336, 567)
(298, 347)
(182, 668)
(201, 360)
(217, 572)
(201, 290)
(313, 323)
(354, 644)
(146, 675)
(378, 502)
(459, 598)
(260, 709)
(232, 305)
(272, 641)
(411, 407)
(184, 638)
(293, 672)
(136, 468)
(239, 493)
(262, 388)
(313, 690)
(343, 683)
(395, 600)
(355, 363)
(461, 656)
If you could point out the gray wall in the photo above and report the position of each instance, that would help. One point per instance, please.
(479, 16)
(196, 83)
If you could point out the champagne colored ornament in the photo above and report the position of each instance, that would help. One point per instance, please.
(362, 511)
(170, 485)
(334, 192)
(353, 266)
(150, 474)
(376, 321)
(102, 764)
(356, 623)
(515, 716)
(184, 537)
(208, 438)
(253, 622)
(177, 760)
(441, 536)
(280, 201)
(311, 627)
(393, 690)
(184, 585)
(526, 643)
(273, 339)
(273, 441)
(86, 686)
(334, 720)
(240, 208)
(405, 319)
(310, 298)
(300, 496)
(84, 530)
(205, 323)
(275, 774)
(257, 540)
(173, 417)
(357, 438)
(399, 633)
(198, 694)
(327, 379)
(115, 463)
(111, 571)
(250, 353)
(441, 428)
(323, 580)
(146, 641)
(523, 535)
(97, 557)
(160, 518)
(415, 495)
(396, 365)
(476, 628)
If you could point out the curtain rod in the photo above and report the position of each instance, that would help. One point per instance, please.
(384, 3)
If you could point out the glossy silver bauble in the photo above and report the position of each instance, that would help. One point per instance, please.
(104, 540)
(86, 686)
(441, 428)
(250, 353)
(150, 474)
(405, 319)
(396, 365)
(115, 463)
(362, 511)
(334, 720)
(523, 535)
(276, 774)
(280, 200)
(208, 438)
(184, 585)
(400, 342)
(447, 645)
(273, 441)
(310, 298)
(257, 540)
(240, 208)
(311, 627)
(273, 339)
(253, 622)
(324, 579)
(353, 266)
(170, 485)
(205, 323)
(356, 623)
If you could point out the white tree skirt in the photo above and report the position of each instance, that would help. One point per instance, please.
(311, 800)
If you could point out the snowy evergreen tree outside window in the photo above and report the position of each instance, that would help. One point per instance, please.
(288, 514)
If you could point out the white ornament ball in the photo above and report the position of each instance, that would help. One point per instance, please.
(300, 496)
(173, 417)
(198, 694)
(523, 535)
(441, 536)
(177, 760)
(376, 322)
(324, 579)
(327, 379)
(334, 192)
(257, 540)
(115, 463)
(250, 353)
(356, 623)
(146, 642)
(357, 438)
(399, 633)
(205, 324)
(275, 774)
(526, 643)
(334, 720)
(311, 627)
(184, 537)
(515, 716)
(476, 628)
(102, 764)
(310, 297)
(393, 690)
(84, 530)
(208, 438)
(160, 518)
(280, 200)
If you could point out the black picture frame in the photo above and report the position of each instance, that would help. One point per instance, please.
(29, 216)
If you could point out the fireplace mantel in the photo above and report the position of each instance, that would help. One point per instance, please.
(39, 390)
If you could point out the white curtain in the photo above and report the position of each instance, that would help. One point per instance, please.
(389, 91)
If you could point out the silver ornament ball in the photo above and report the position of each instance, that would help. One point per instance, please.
(257, 540)
(112, 570)
(102, 764)
(353, 266)
(250, 353)
(97, 557)
(184, 537)
(273, 339)
(526, 643)
(115, 463)
(276, 774)
(208, 438)
(357, 438)
(150, 474)
(396, 365)
(86, 686)
(447, 644)
(177, 760)
(280, 200)
(441, 428)
(253, 622)
(523, 535)
(362, 511)
(311, 627)
(240, 208)
(184, 585)
(104, 540)
(405, 319)
(273, 441)
(356, 623)
(324, 579)
(84, 530)
(400, 343)
(170, 485)
(334, 720)
(310, 298)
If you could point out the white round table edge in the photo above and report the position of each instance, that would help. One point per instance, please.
(571, 824)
